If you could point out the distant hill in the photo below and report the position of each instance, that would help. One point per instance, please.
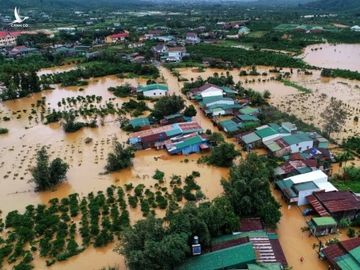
(335, 5)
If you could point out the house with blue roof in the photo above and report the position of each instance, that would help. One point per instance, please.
(187, 144)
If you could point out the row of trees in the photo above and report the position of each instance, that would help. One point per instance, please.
(156, 243)
(241, 57)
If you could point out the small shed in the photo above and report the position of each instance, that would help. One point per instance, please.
(320, 226)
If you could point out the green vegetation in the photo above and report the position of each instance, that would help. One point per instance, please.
(4, 130)
(248, 190)
(221, 155)
(168, 105)
(353, 144)
(151, 245)
(120, 159)
(296, 86)
(349, 180)
(241, 57)
(52, 231)
(45, 174)
(107, 65)
(190, 111)
(347, 74)
(121, 91)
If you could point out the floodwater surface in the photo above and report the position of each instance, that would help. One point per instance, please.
(342, 56)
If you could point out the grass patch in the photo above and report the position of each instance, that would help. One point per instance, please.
(296, 86)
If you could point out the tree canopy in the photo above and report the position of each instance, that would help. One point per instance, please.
(248, 189)
(168, 105)
(121, 158)
(45, 174)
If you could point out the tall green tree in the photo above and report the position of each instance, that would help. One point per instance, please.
(222, 155)
(168, 105)
(121, 158)
(248, 190)
(48, 174)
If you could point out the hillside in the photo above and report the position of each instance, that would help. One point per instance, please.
(335, 5)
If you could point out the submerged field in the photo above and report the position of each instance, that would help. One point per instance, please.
(87, 160)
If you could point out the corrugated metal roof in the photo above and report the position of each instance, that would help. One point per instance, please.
(265, 132)
(247, 117)
(236, 256)
(248, 110)
(338, 201)
(324, 221)
(139, 122)
(297, 138)
(250, 138)
(154, 86)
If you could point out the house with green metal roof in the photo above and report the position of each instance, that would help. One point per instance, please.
(153, 90)
(249, 110)
(229, 258)
(250, 141)
(343, 255)
(229, 126)
(140, 122)
(187, 144)
(299, 142)
(247, 117)
(320, 226)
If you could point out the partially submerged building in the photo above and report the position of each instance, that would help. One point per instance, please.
(344, 255)
(155, 137)
(321, 226)
(296, 189)
(153, 90)
(187, 144)
(337, 204)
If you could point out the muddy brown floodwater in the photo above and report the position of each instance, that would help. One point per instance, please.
(87, 161)
(342, 56)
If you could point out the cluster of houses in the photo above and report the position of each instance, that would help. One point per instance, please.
(251, 247)
(177, 138)
(215, 100)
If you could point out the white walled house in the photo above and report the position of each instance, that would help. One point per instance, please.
(175, 54)
(212, 91)
(153, 90)
(295, 189)
(299, 142)
(192, 38)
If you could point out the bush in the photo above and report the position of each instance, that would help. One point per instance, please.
(120, 159)
(4, 131)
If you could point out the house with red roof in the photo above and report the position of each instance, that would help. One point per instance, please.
(338, 204)
(8, 39)
(118, 37)
(343, 255)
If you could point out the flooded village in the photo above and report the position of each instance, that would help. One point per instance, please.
(206, 161)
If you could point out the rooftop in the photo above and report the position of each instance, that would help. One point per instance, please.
(296, 138)
(232, 257)
(324, 221)
(337, 201)
(139, 122)
(250, 138)
(151, 87)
